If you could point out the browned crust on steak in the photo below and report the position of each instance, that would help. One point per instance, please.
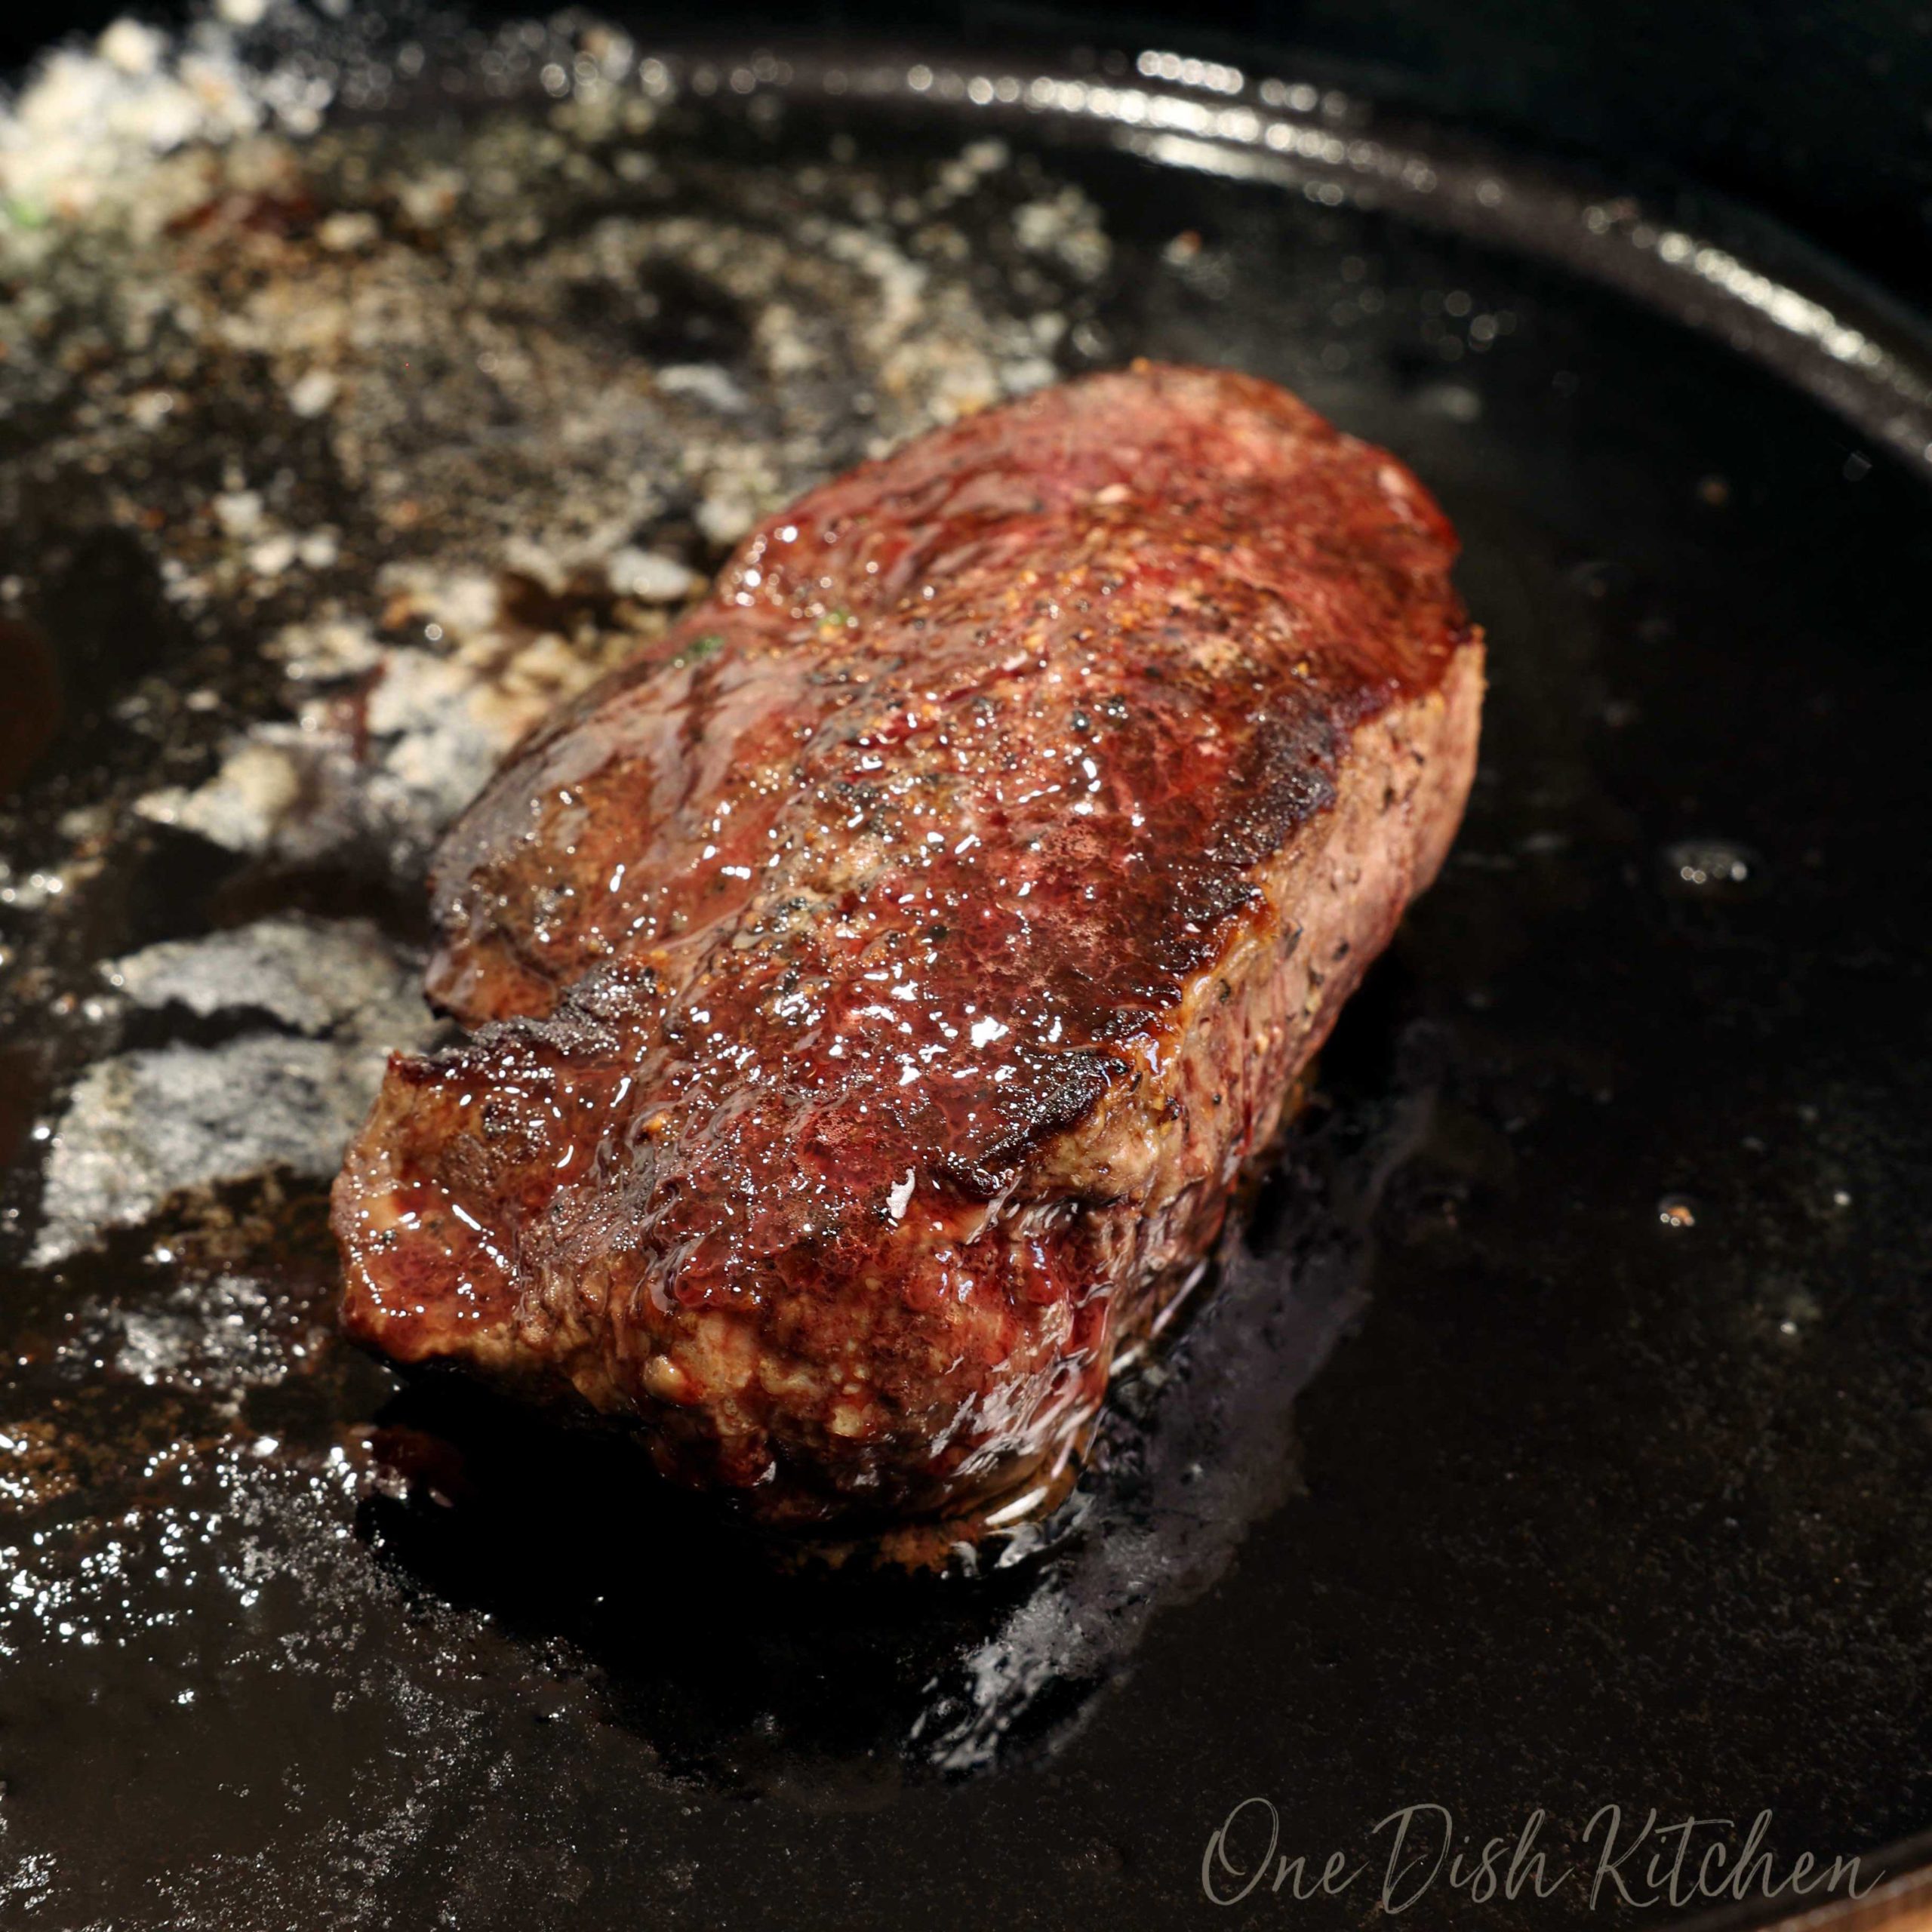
(879, 989)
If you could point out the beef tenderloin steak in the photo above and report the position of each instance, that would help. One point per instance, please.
(876, 987)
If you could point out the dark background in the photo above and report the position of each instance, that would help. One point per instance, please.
(1818, 111)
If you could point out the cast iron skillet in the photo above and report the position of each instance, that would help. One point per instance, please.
(1603, 1227)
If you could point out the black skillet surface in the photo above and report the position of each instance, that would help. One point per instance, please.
(1603, 1230)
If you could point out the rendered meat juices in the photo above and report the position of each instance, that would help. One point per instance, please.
(877, 986)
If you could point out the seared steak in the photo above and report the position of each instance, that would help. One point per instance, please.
(877, 986)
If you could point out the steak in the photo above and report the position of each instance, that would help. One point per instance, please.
(877, 987)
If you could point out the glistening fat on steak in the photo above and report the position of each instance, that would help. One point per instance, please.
(877, 987)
